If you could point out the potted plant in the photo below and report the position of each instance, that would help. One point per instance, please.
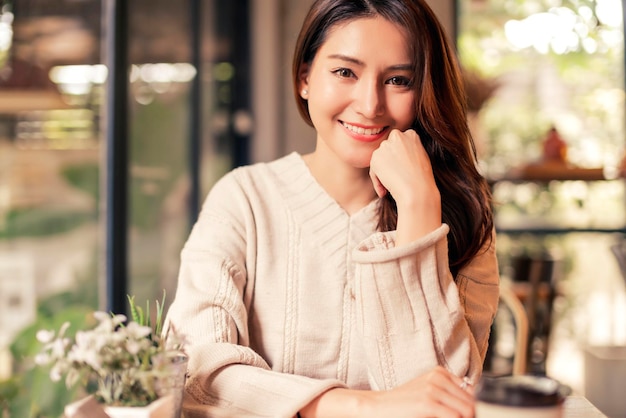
(122, 364)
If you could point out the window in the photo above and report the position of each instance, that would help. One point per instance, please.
(187, 79)
(530, 66)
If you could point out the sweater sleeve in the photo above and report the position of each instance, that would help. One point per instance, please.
(210, 312)
(411, 313)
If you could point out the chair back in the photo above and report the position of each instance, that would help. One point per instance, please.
(520, 317)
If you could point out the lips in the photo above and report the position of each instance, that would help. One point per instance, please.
(364, 133)
(361, 130)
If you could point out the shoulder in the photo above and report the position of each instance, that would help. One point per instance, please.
(262, 174)
(254, 187)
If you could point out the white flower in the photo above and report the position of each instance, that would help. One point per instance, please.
(101, 316)
(42, 359)
(133, 347)
(72, 377)
(56, 373)
(82, 341)
(59, 347)
(118, 319)
(134, 330)
(85, 355)
(108, 322)
(121, 358)
(45, 336)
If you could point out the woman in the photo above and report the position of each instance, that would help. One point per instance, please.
(360, 279)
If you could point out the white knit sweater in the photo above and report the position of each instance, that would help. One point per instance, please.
(283, 295)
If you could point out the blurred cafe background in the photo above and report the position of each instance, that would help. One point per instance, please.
(117, 117)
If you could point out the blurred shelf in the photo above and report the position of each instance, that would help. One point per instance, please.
(15, 101)
(543, 226)
(548, 230)
(550, 171)
(545, 172)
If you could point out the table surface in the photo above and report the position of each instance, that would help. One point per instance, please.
(580, 407)
(575, 407)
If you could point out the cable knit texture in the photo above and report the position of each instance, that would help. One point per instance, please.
(282, 295)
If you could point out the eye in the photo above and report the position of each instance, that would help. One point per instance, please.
(399, 81)
(343, 72)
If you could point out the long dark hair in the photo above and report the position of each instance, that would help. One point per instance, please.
(440, 114)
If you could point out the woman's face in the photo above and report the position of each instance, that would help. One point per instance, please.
(359, 87)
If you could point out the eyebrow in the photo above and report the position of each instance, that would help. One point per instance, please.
(398, 67)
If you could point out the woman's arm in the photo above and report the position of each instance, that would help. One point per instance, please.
(401, 166)
(435, 330)
(422, 334)
(417, 283)
(412, 314)
(437, 393)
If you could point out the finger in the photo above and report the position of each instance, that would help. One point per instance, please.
(467, 385)
(440, 410)
(462, 404)
(457, 386)
(463, 408)
(380, 190)
(462, 390)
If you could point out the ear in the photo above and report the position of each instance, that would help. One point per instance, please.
(303, 81)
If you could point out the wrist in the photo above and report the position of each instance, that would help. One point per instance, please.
(342, 402)
(416, 221)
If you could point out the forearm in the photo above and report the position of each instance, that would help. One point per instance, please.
(417, 218)
(436, 393)
(338, 402)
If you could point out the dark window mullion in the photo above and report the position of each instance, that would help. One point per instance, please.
(195, 110)
(117, 140)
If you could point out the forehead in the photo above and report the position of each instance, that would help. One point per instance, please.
(368, 36)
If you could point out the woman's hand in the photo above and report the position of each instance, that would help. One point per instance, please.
(437, 394)
(402, 167)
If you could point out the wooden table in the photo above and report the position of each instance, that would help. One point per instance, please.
(580, 407)
(575, 407)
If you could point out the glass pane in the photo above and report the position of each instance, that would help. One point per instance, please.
(160, 42)
(51, 155)
(161, 81)
(531, 66)
(50, 94)
(226, 118)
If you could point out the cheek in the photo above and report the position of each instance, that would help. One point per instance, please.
(328, 100)
(402, 110)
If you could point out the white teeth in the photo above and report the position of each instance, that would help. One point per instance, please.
(362, 131)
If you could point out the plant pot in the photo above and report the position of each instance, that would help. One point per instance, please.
(164, 407)
(169, 387)
(605, 378)
(88, 407)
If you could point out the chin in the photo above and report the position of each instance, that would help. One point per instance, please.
(359, 159)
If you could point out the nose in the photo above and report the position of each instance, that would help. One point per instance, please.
(370, 100)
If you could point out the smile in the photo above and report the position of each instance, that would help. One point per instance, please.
(362, 131)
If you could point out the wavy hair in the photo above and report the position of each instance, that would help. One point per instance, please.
(440, 114)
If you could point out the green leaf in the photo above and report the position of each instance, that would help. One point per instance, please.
(159, 317)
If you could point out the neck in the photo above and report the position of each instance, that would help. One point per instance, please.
(350, 187)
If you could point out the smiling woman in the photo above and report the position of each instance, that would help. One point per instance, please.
(359, 279)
